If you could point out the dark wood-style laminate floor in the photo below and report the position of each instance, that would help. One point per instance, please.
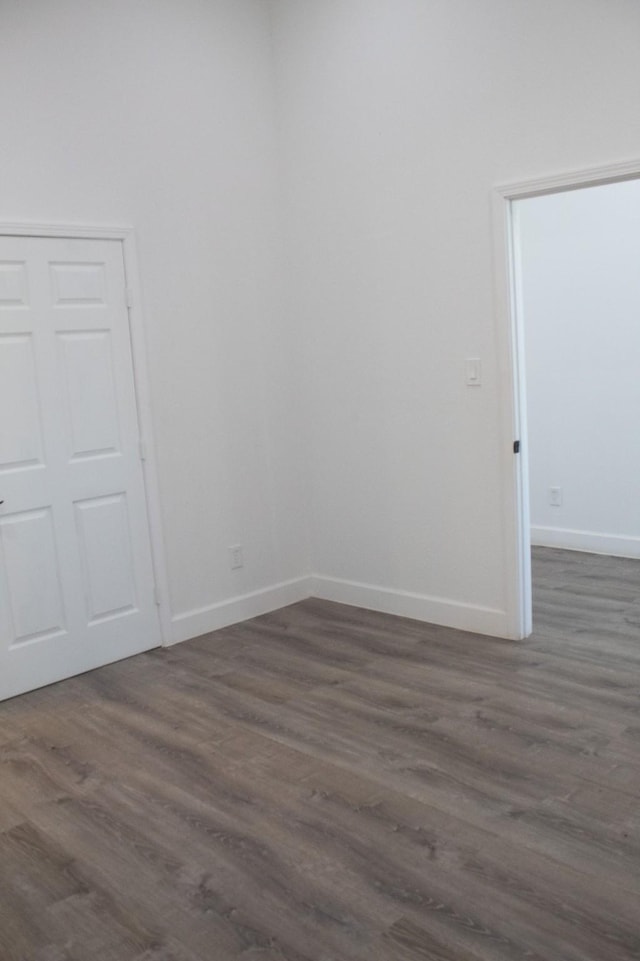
(330, 784)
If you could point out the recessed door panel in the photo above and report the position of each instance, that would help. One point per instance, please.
(105, 546)
(87, 371)
(32, 575)
(80, 284)
(20, 424)
(13, 285)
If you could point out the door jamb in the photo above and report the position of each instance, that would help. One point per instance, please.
(126, 236)
(511, 367)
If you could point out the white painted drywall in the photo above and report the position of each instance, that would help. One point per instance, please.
(398, 117)
(395, 118)
(580, 283)
(161, 115)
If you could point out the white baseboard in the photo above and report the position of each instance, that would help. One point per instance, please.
(586, 541)
(202, 620)
(421, 607)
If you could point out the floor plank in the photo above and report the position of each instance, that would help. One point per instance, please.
(331, 784)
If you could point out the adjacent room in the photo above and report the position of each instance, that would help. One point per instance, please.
(578, 299)
(272, 273)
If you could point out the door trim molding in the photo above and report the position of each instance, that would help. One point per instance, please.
(511, 371)
(126, 236)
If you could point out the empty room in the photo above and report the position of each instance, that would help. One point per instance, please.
(293, 340)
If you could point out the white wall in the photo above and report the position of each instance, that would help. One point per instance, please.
(395, 118)
(398, 117)
(580, 281)
(160, 114)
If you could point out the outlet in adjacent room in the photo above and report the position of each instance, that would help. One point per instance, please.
(555, 496)
(236, 560)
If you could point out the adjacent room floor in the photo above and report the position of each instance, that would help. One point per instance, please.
(327, 784)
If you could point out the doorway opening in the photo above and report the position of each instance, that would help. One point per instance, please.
(572, 304)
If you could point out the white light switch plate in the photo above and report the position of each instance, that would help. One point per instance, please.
(555, 496)
(236, 560)
(473, 372)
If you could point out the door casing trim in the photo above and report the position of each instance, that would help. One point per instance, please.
(511, 373)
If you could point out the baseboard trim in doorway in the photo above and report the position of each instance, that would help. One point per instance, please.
(202, 620)
(589, 541)
(421, 607)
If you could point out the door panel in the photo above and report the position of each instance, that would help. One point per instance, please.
(78, 284)
(104, 535)
(21, 438)
(87, 369)
(76, 577)
(30, 554)
(13, 284)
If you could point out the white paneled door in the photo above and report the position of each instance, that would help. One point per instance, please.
(76, 576)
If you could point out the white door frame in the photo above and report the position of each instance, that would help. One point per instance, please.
(511, 368)
(126, 237)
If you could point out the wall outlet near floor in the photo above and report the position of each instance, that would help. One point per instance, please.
(236, 560)
(555, 496)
